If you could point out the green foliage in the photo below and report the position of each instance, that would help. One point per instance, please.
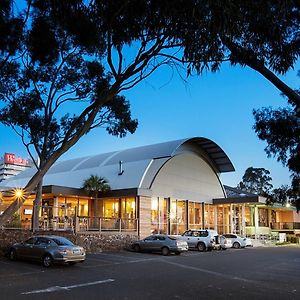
(72, 56)
(52, 75)
(280, 128)
(256, 180)
(95, 184)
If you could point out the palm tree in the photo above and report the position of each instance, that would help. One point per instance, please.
(93, 185)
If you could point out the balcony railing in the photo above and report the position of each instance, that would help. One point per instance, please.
(285, 225)
(105, 224)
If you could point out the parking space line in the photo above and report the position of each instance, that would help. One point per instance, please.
(120, 263)
(21, 274)
(66, 288)
(227, 276)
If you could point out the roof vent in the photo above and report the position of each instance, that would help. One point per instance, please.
(121, 171)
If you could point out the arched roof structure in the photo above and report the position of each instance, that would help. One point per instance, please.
(140, 165)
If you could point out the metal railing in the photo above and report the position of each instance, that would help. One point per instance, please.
(84, 224)
(285, 225)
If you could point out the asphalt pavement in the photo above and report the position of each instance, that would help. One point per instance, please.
(252, 273)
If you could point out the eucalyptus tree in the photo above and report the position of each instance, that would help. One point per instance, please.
(80, 56)
(280, 128)
(256, 180)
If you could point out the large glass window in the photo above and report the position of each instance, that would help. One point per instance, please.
(111, 208)
(198, 215)
(209, 216)
(263, 217)
(181, 216)
(249, 216)
(128, 208)
(163, 221)
(159, 215)
(173, 216)
(195, 215)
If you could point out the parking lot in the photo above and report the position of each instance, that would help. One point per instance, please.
(252, 273)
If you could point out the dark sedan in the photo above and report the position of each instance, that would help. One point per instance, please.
(48, 250)
(161, 243)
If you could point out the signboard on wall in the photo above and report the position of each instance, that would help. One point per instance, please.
(12, 159)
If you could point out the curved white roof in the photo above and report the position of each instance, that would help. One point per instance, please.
(140, 165)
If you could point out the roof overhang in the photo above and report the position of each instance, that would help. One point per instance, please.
(240, 200)
(214, 152)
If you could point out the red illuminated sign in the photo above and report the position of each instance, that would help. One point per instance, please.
(10, 158)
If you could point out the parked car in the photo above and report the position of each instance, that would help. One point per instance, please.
(161, 243)
(237, 241)
(222, 243)
(48, 250)
(249, 242)
(203, 240)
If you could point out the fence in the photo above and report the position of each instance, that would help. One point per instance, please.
(64, 218)
(105, 224)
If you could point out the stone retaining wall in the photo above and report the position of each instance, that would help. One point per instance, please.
(92, 242)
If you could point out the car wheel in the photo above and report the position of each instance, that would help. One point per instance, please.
(47, 261)
(236, 245)
(201, 247)
(12, 254)
(137, 248)
(165, 251)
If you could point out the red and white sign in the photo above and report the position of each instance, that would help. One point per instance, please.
(10, 158)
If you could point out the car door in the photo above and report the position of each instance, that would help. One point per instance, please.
(25, 249)
(40, 248)
(148, 243)
(187, 236)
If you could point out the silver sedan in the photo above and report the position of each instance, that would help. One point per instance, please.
(161, 243)
(48, 250)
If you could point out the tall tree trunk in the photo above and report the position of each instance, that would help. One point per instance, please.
(36, 206)
(270, 76)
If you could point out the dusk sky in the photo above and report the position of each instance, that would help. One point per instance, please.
(216, 106)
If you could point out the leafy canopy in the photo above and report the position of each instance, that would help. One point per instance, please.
(256, 180)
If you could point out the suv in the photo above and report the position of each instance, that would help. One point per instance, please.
(203, 240)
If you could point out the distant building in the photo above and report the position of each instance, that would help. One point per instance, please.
(11, 165)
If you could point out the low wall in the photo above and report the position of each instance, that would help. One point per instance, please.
(92, 242)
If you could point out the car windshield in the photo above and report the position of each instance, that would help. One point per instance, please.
(60, 241)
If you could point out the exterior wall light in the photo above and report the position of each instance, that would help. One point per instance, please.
(19, 193)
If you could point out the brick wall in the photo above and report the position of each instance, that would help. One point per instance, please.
(145, 216)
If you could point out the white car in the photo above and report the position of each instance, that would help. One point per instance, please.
(203, 240)
(237, 241)
(249, 242)
(222, 243)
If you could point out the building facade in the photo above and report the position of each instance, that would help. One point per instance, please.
(161, 188)
(11, 165)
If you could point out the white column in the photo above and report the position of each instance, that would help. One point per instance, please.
(216, 218)
(231, 218)
(243, 227)
(55, 207)
(256, 221)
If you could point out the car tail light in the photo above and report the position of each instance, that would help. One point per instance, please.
(64, 251)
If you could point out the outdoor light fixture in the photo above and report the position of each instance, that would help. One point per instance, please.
(19, 193)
